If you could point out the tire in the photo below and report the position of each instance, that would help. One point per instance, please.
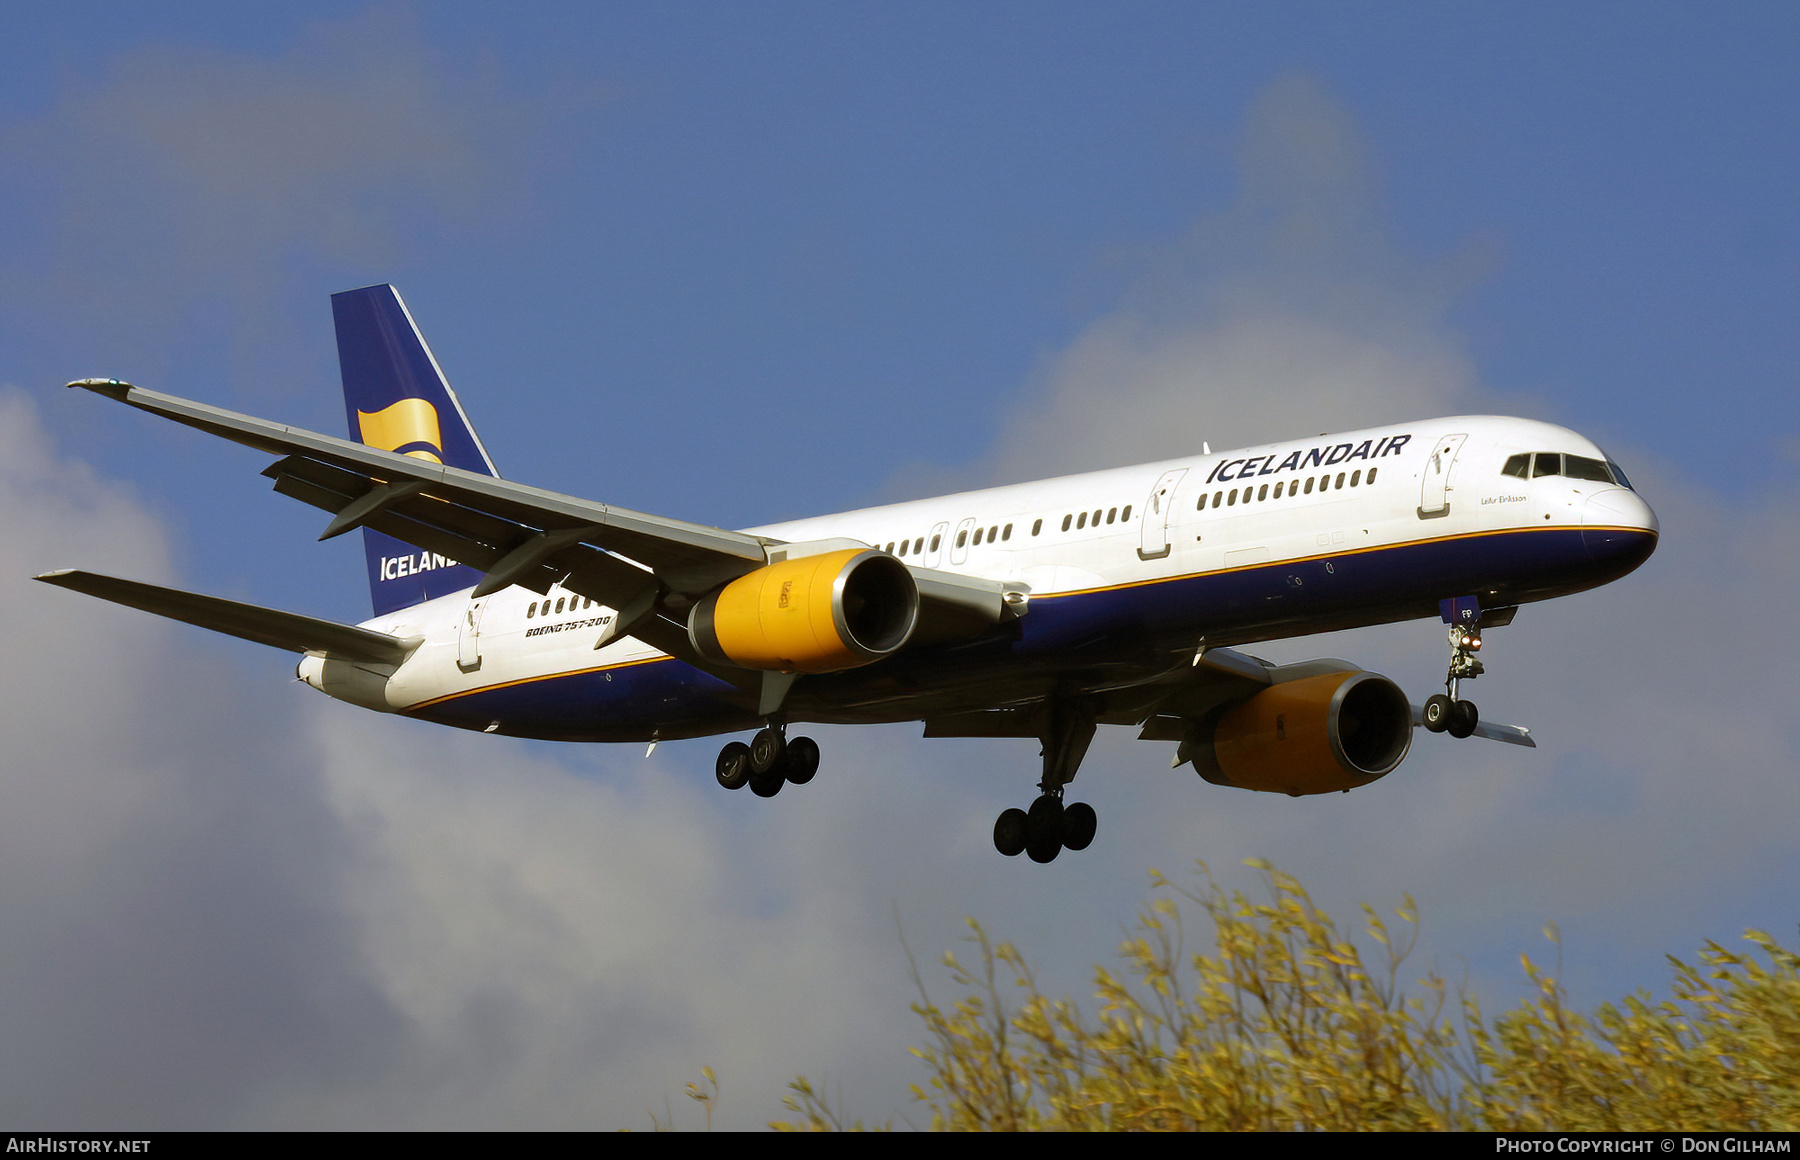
(1079, 822)
(1043, 831)
(1463, 719)
(802, 760)
(1010, 832)
(1437, 713)
(766, 749)
(733, 769)
(766, 784)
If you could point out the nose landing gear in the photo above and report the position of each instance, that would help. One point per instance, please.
(1445, 713)
(768, 762)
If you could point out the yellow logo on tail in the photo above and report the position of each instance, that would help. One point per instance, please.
(407, 422)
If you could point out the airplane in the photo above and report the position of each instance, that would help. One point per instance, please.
(1038, 610)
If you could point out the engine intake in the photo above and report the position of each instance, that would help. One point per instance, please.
(1314, 735)
(816, 614)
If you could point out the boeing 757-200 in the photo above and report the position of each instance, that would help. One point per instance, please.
(1038, 610)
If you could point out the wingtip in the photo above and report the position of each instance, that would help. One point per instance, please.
(115, 388)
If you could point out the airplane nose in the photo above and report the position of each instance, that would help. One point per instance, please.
(1618, 527)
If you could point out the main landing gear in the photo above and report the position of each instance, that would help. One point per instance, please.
(1049, 827)
(768, 762)
(1445, 713)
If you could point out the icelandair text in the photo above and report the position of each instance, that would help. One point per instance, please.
(394, 567)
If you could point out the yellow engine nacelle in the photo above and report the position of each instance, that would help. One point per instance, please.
(817, 614)
(1314, 735)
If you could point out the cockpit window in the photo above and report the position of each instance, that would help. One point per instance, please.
(1519, 466)
(1569, 466)
(1581, 467)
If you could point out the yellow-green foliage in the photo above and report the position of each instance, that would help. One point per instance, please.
(1287, 1025)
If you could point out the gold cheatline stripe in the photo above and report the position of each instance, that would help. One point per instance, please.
(657, 659)
(1331, 556)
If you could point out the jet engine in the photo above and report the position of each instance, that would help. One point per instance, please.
(815, 614)
(1317, 734)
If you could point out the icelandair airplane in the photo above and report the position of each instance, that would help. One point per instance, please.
(1040, 610)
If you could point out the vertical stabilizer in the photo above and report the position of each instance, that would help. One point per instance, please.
(398, 399)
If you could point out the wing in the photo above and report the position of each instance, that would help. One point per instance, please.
(649, 568)
(288, 630)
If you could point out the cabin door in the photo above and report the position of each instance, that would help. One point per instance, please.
(468, 636)
(1434, 497)
(1159, 512)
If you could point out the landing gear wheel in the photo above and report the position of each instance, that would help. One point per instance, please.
(768, 783)
(1010, 832)
(1078, 824)
(1438, 713)
(802, 760)
(1463, 719)
(733, 769)
(766, 749)
(1044, 829)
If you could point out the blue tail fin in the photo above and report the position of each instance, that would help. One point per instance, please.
(397, 399)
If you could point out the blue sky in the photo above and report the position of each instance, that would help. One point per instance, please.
(743, 263)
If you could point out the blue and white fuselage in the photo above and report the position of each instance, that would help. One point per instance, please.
(1124, 571)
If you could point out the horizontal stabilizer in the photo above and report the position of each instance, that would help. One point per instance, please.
(288, 630)
(1493, 731)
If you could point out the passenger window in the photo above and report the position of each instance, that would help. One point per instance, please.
(1081, 521)
(1110, 513)
(1278, 488)
(890, 548)
(1519, 466)
(1548, 463)
(1037, 526)
(1005, 533)
(531, 610)
(1355, 478)
(559, 604)
(934, 542)
(1217, 496)
(1372, 472)
(962, 538)
(978, 532)
(1125, 516)
(1201, 506)
(1231, 498)
(992, 530)
(1263, 492)
(1096, 517)
(1309, 485)
(1340, 481)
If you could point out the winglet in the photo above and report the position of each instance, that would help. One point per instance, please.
(112, 388)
